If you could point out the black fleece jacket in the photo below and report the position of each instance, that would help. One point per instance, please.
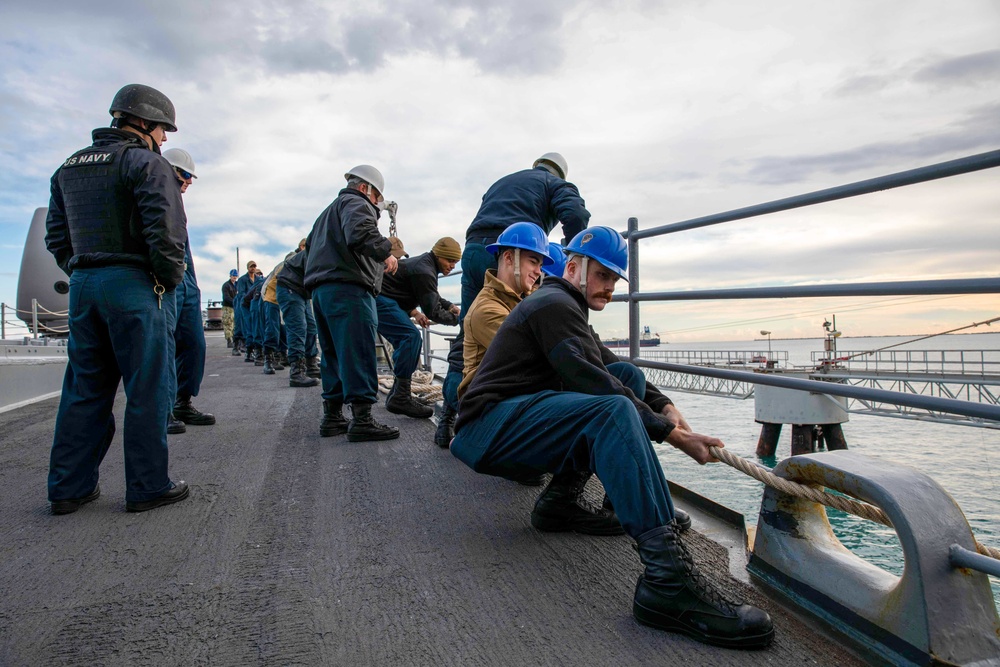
(546, 343)
(415, 283)
(345, 245)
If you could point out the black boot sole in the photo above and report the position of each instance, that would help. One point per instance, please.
(166, 499)
(332, 430)
(301, 383)
(657, 618)
(199, 420)
(423, 414)
(176, 428)
(60, 507)
(552, 524)
(660, 621)
(371, 437)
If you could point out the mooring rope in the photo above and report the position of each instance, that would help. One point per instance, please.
(421, 384)
(816, 495)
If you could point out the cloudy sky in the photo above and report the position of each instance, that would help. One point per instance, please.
(666, 111)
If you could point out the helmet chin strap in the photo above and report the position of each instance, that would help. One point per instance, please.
(583, 274)
(119, 122)
(517, 271)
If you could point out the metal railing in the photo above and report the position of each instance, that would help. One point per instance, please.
(427, 350)
(34, 326)
(763, 358)
(943, 363)
(904, 288)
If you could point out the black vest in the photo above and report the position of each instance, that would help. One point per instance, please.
(101, 212)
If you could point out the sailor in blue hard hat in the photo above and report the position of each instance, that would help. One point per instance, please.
(521, 253)
(543, 400)
(541, 195)
(228, 314)
(558, 254)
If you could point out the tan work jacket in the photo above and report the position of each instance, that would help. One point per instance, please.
(485, 316)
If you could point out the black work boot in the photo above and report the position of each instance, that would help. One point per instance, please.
(281, 359)
(673, 595)
(312, 367)
(175, 425)
(334, 422)
(237, 348)
(562, 507)
(268, 363)
(297, 375)
(401, 402)
(187, 413)
(250, 353)
(446, 427)
(681, 518)
(258, 356)
(364, 427)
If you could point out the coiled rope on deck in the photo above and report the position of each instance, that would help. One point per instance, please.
(817, 495)
(421, 385)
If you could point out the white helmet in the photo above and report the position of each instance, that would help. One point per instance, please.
(368, 174)
(555, 160)
(180, 159)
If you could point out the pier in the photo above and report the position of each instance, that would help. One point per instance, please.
(300, 550)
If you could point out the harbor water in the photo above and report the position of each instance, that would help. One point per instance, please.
(964, 460)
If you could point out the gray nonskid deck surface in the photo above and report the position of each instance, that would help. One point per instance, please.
(300, 550)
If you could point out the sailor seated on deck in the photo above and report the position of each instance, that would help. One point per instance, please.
(523, 255)
(542, 400)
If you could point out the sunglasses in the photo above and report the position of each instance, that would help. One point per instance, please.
(187, 176)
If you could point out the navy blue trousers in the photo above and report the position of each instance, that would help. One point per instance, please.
(117, 332)
(346, 321)
(563, 431)
(272, 326)
(300, 324)
(257, 315)
(238, 319)
(189, 338)
(246, 322)
(394, 324)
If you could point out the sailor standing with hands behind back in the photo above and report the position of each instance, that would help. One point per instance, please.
(116, 226)
(189, 336)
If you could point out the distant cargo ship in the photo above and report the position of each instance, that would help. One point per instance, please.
(647, 339)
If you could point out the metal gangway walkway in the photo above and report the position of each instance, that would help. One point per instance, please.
(966, 375)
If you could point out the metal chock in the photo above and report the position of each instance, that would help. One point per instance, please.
(934, 613)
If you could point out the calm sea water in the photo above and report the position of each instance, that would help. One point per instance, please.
(964, 460)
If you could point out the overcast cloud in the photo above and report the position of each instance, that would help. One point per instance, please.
(665, 111)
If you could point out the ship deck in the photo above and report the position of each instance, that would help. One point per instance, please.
(300, 550)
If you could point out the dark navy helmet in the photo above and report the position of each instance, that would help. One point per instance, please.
(526, 236)
(146, 103)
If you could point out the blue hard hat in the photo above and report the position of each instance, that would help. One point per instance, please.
(526, 236)
(233, 272)
(558, 260)
(603, 244)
